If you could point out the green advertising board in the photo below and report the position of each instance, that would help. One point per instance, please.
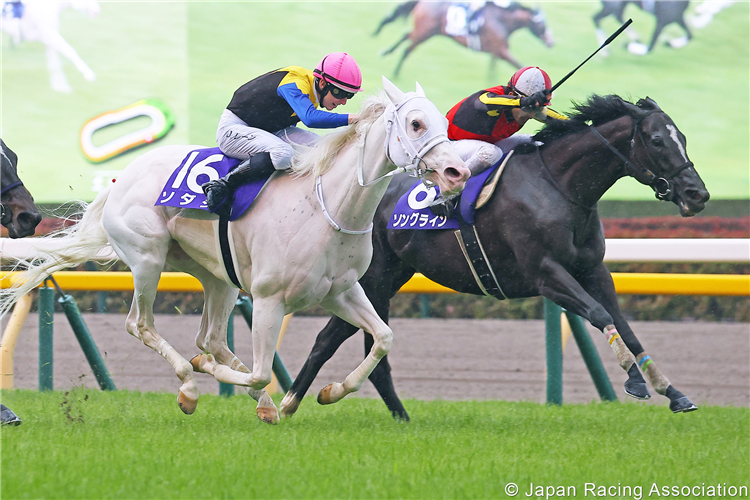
(166, 70)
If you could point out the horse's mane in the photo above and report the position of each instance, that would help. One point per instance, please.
(596, 110)
(516, 6)
(315, 161)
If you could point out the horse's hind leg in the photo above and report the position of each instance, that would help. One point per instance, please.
(598, 283)
(145, 252)
(354, 307)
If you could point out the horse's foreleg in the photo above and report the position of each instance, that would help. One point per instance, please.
(383, 382)
(57, 80)
(657, 31)
(599, 284)
(564, 290)
(678, 43)
(58, 43)
(326, 344)
(407, 51)
(220, 299)
(394, 47)
(504, 53)
(354, 307)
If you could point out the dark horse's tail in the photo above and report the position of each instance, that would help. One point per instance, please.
(402, 10)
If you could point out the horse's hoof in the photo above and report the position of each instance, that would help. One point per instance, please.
(187, 404)
(637, 390)
(268, 415)
(289, 405)
(324, 396)
(682, 405)
(638, 49)
(196, 361)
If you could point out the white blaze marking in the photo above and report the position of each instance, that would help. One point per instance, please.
(673, 134)
(2, 152)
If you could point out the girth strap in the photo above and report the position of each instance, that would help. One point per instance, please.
(468, 240)
(226, 250)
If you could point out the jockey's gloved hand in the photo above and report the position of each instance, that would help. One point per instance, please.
(534, 101)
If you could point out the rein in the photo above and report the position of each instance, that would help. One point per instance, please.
(557, 186)
(661, 185)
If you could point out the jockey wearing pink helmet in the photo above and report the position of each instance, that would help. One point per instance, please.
(259, 124)
(340, 74)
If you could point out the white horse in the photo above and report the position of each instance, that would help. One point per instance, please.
(41, 23)
(305, 241)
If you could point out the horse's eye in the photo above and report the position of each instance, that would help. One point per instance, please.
(415, 125)
(657, 140)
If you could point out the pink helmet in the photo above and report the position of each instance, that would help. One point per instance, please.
(530, 80)
(340, 69)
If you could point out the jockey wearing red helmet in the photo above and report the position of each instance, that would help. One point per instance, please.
(259, 124)
(495, 114)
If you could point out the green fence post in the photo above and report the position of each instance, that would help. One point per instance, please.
(554, 352)
(228, 389)
(87, 343)
(101, 297)
(245, 305)
(424, 305)
(591, 357)
(46, 306)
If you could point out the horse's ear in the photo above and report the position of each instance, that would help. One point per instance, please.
(648, 103)
(395, 94)
(420, 90)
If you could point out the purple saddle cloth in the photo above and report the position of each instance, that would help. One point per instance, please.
(412, 209)
(183, 189)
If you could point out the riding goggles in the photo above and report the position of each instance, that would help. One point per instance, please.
(340, 93)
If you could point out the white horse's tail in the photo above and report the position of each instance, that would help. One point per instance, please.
(68, 247)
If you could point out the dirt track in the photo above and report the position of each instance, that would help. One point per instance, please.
(446, 359)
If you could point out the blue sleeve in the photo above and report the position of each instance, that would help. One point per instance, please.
(305, 109)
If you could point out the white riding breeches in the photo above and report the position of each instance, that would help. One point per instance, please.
(238, 140)
(480, 155)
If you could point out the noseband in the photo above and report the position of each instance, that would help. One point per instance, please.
(414, 153)
(5, 214)
(661, 185)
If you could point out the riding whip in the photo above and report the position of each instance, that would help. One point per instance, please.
(606, 42)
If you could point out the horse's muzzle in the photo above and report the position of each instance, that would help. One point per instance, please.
(24, 224)
(691, 201)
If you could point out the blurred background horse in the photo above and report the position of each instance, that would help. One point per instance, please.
(486, 29)
(39, 21)
(666, 13)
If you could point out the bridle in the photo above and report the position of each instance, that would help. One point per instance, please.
(6, 214)
(661, 185)
(414, 156)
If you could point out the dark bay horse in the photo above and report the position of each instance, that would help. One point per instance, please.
(17, 210)
(541, 233)
(492, 36)
(665, 11)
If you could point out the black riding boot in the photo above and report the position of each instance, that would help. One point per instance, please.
(7, 416)
(219, 193)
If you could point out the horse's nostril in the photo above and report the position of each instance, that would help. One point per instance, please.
(28, 219)
(697, 195)
(453, 173)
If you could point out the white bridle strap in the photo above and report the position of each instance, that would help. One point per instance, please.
(413, 155)
(425, 143)
(334, 225)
